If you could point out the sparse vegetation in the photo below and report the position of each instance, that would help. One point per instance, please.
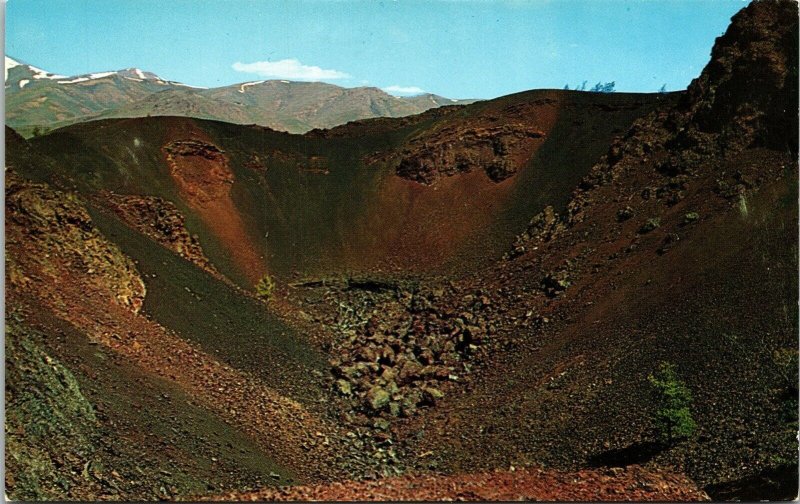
(691, 217)
(650, 225)
(600, 87)
(673, 419)
(265, 287)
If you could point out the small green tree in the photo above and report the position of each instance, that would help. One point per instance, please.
(673, 418)
(265, 287)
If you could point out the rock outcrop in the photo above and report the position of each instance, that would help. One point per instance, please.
(748, 91)
(746, 97)
(200, 169)
(160, 220)
(499, 150)
(58, 232)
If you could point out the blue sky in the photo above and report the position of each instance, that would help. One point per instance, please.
(456, 48)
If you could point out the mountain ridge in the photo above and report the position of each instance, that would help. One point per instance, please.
(38, 100)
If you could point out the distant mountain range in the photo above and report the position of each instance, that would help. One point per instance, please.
(37, 99)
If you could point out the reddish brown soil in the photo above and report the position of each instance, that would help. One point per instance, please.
(281, 426)
(530, 484)
(426, 214)
(454, 209)
(459, 189)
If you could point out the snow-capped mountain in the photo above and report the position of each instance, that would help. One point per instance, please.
(21, 74)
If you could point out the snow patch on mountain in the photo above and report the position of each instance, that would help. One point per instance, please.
(10, 63)
(241, 88)
(38, 73)
(186, 85)
(84, 78)
(73, 81)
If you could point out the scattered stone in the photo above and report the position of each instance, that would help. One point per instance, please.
(669, 241)
(555, 282)
(624, 214)
(432, 394)
(381, 424)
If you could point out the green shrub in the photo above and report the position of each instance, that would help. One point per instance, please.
(265, 287)
(650, 225)
(673, 419)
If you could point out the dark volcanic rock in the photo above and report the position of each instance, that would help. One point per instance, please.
(748, 91)
(499, 150)
(159, 219)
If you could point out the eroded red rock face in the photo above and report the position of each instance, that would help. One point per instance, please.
(498, 142)
(200, 169)
(202, 173)
(56, 236)
(52, 241)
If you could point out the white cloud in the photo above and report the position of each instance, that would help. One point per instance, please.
(288, 69)
(404, 90)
